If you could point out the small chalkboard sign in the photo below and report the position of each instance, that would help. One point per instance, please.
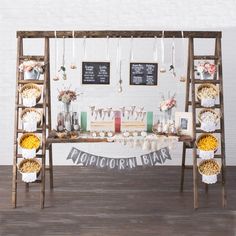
(143, 74)
(95, 72)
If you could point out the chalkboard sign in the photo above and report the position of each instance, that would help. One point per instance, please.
(96, 73)
(143, 73)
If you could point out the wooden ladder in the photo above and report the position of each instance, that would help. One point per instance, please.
(191, 84)
(45, 128)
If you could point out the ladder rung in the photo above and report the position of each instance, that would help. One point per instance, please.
(198, 105)
(39, 105)
(202, 131)
(215, 156)
(37, 156)
(200, 81)
(37, 181)
(39, 130)
(32, 57)
(205, 57)
(21, 81)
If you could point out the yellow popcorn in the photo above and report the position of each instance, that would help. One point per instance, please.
(207, 143)
(30, 142)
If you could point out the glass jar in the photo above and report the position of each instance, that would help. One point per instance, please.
(75, 121)
(60, 122)
(68, 125)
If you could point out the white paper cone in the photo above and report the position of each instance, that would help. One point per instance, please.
(28, 153)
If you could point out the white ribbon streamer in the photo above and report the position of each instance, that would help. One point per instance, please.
(84, 47)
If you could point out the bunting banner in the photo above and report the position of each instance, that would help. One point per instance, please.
(79, 157)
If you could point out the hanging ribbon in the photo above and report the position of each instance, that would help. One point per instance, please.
(56, 78)
(172, 66)
(84, 47)
(131, 55)
(155, 51)
(107, 49)
(162, 69)
(73, 65)
(118, 57)
(183, 75)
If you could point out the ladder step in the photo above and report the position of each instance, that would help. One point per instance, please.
(200, 81)
(198, 105)
(218, 156)
(21, 81)
(205, 57)
(32, 57)
(39, 130)
(39, 105)
(202, 131)
(37, 155)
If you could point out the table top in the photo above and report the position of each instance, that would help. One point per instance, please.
(51, 140)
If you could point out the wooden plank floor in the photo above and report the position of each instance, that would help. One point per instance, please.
(91, 202)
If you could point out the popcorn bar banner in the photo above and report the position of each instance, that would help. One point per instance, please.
(87, 159)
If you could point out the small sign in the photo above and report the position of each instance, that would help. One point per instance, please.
(143, 74)
(95, 72)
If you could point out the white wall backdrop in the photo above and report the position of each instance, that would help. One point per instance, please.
(94, 15)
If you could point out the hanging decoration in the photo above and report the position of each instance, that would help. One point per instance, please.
(62, 69)
(107, 49)
(87, 159)
(84, 47)
(73, 64)
(183, 75)
(56, 77)
(155, 50)
(119, 66)
(162, 69)
(172, 66)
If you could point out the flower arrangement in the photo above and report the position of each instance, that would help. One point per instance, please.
(167, 104)
(30, 65)
(67, 95)
(206, 69)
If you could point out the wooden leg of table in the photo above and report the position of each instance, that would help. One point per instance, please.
(183, 168)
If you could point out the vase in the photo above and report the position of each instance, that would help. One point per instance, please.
(67, 107)
(31, 75)
(206, 76)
